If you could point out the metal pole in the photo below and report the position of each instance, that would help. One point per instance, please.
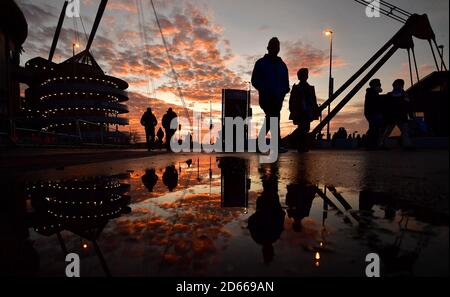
(58, 31)
(79, 130)
(410, 68)
(434, 55)
(441, 55)
(101, 134)
(441, 48)
(415, 64)
(330, 82)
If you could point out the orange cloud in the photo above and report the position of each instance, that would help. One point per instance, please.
(300, 55)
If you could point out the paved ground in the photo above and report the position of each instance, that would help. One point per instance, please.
(418, 175)
(35, 159)
(393, 203)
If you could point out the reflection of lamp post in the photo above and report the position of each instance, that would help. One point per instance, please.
(330, 81)
(75, 45)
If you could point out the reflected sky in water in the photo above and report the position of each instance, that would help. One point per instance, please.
(205, 215)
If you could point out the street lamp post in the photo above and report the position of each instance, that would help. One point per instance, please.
(331, 80)
(74, 45)
(441, 48)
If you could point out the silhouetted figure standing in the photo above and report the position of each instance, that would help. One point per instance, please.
(166, 121)
(299, 199)
(373, 111)
(170, 177)
(160, 135)
(149, 179)
(397, 111)
(267, 224)
(341, 133)
(271, 78)
(303, 107)
(149, 122)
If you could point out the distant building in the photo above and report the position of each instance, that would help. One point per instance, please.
(430, 100)
(72, 101)
(76, 97)
(13, 32)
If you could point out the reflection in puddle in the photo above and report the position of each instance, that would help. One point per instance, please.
(81, 206)
(223, 216)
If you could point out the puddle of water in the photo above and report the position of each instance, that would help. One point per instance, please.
(212, 216)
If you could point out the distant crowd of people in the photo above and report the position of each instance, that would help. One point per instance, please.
(385, 112)
(150, 122)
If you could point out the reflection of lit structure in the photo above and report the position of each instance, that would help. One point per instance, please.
(83, 207)
(77, 205)
(75, 97)
(235, 182)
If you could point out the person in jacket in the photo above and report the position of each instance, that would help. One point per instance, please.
(149, 122)
(373, 111)
(166, 121)
(397, 112)
(304, 108)
(160, 136)
(270, 78)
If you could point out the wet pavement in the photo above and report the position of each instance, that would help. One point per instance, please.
(317, 214)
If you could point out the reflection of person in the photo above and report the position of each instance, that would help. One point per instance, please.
(166, 123)
(299, 200)
(170, 177)
(149, 179)
(149, 122)
(373, 111)
(397, 110)
(303, 107)
(267, 223)
(271, 78)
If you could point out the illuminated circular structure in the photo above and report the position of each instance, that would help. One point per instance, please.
(76, 97)
(78, 205)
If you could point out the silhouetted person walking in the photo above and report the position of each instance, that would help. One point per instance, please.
(271, 78)
(166, 120)
(373, 111)
(397, 111)
(149, 122)
(160, 136)
(303, 107)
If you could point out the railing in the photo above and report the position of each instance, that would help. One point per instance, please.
(78, 125)
(39, 137)
(29, 136)
(101, 136)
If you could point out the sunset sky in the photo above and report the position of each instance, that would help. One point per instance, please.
(215, 43)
